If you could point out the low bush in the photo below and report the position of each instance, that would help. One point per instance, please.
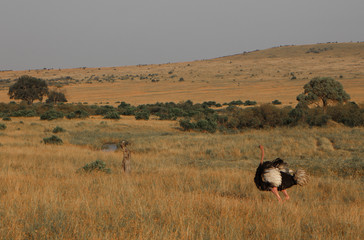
(55, 97)
(206, 125)
(58, 129)
(237, 102)
(276, 102)
(250, 103)
(78, 114)
(24, 113)
(127, 111)
(112, 115)
(103, 110)
(123, 105)
(186, 125)
(142, 115)
(53, 140)
(51, 115)
(349, 114)
(2, 126)
(98, 165)
(317, 119)
(6, 118)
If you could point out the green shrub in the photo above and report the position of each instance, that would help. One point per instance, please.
(53, 140)
(186, 125)
(250, 103)
(78, 114)
(210, 103)
(71, 115)
(276, 102)
(2, 126)
(55, 97)
(98, 165)
(6, 118)
(271, 115)
(112, 115)
(169, 113)
(222, 119)
(206, 125)
(238, 102)
(24, 113)
(123, 105)
(58, 129)
(51, 115)
(166, 116)
(142, 115)
(316, 117)
(127, 111)
(103, 110)
(348, 114)
(233, 123)
(248, 118)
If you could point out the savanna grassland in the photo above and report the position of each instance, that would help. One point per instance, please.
(183, 185)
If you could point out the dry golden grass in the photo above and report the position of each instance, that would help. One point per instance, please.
(183, 185)
(262, 76)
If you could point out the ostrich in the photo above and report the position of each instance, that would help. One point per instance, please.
(276, 176)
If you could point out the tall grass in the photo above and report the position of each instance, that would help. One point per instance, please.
(183, 185)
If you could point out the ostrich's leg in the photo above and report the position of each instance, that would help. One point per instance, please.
(285, 194)
(275, 192)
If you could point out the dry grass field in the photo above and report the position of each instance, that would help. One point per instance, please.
(262, 76)
(183, 185)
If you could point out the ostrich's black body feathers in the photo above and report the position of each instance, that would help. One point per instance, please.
(274, 174)
(287, 181)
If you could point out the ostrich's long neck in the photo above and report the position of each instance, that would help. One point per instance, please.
(262, 154)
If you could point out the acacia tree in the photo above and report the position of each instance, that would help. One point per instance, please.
(54, 97)
(322, 90)
(28, 88)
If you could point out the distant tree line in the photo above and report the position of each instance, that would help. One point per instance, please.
(329, 96)
(199, 116)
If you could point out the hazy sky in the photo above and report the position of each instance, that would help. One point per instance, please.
(98, 33)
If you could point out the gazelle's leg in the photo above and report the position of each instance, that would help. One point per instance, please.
(275, 192)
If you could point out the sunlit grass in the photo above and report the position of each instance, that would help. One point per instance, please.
(183, 185)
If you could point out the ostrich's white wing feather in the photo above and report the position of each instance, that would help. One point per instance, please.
(273, 176)
(286, 170)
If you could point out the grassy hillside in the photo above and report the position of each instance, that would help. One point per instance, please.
(262, 76)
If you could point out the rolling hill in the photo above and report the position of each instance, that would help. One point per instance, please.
(260, 75)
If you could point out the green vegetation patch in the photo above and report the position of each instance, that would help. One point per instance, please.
(58, 130)
(98, 166)
(53, 140)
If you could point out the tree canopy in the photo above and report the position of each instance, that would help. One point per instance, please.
(28, 88)
(54, 97)
(322, 90)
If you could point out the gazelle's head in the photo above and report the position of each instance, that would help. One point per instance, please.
(123, 144)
